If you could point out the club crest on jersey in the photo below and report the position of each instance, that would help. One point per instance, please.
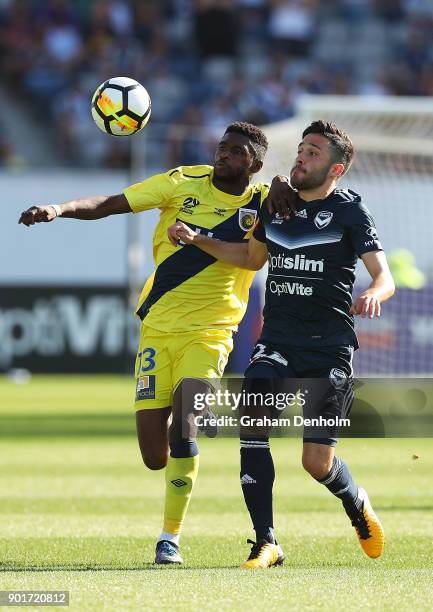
(323, 219)
(247, 218)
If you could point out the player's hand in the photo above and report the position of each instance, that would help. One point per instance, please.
(37, 214)
(179, 232)
(367, 305)
(281, 197)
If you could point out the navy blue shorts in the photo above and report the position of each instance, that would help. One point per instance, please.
(324, 375)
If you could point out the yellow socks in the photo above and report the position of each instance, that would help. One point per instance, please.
(180, 476)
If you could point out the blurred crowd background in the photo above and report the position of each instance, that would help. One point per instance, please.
(204, 63)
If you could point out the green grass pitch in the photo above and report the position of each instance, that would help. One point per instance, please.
(79, 512)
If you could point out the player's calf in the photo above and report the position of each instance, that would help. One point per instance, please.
(317, 459)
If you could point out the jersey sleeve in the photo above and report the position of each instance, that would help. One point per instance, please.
(154, 192)
(259, 232)
(362, 230)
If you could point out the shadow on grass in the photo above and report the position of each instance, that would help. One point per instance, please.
(49, 425)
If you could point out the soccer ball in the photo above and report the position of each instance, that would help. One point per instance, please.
(121, 106)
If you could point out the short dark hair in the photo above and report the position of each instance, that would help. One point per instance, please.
(342, 147)
(257, 138)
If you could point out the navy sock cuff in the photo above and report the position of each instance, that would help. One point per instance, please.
(254, 443)
(336, 464)
(183, 449)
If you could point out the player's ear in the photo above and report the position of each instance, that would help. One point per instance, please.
(337, 170)
(256, 166)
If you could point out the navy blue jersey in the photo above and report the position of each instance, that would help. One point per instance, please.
(312, 259)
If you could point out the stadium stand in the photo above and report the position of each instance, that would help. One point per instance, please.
(55, 52)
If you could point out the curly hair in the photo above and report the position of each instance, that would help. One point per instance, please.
(342, 147)
(257, 138)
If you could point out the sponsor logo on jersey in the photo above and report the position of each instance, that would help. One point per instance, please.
(302, 214)
(372, 232)
(298, 262)
(220, 211)
(277, 219)
(290, 288)
(323, 219)
(337, 377)
(188, 205)
(247, 218)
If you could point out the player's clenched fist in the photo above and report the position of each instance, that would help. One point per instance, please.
(179, 232)
(38, 214)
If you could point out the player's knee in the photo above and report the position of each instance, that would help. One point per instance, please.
(155, 462)
(317, 467)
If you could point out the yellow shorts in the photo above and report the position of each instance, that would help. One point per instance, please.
(163, 360)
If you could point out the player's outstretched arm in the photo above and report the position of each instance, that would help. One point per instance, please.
(381, 288)
(251, 255)
(96, 207)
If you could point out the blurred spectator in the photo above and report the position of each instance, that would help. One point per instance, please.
(355, 11)
(17, 42)
(187, 142)
(6, 153)
(253, 17)
(389, 10)
(216, 30)
(62, 41)
(292, 25)
(418, 8)
(148, 24)
(377, 85)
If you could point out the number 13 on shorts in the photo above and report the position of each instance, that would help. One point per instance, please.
(145, 362)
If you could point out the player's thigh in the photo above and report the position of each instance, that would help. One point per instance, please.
(153, 371)
(201, 355)
(264, 384)
(201, 358)
(152, 433)
(188, 400)
(329, 382)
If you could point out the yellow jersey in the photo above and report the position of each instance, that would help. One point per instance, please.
(190, 289)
